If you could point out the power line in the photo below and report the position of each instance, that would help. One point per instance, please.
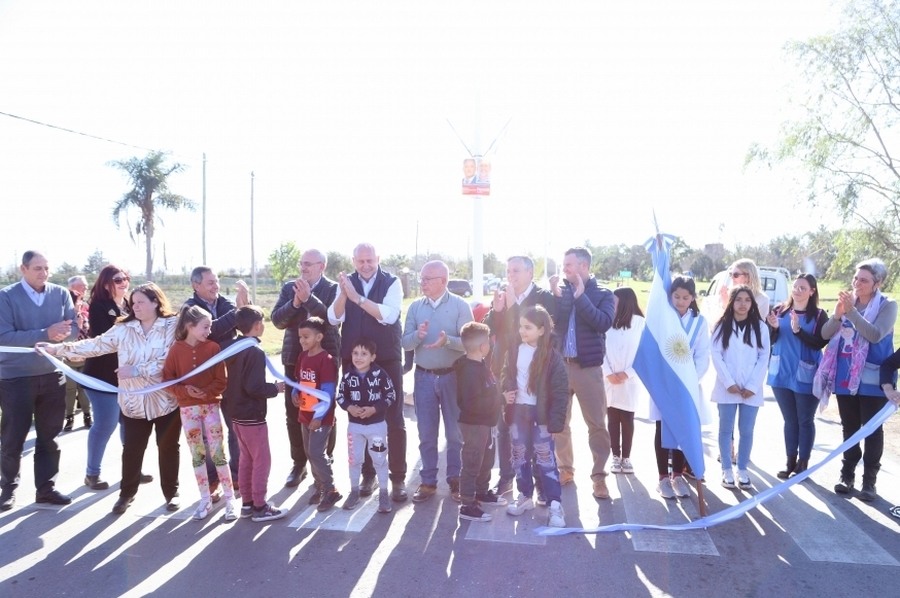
(58, 128)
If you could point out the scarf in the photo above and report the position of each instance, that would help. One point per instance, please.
(823, 383)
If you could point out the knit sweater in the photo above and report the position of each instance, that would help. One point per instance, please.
(448, 317)
(182, 359)
(24, 324)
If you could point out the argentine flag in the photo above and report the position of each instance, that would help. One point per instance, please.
(665, 364)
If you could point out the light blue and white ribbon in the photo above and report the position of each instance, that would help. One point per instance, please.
(320, 409)
(739, 509)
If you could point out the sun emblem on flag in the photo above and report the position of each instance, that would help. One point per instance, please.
(678, 349)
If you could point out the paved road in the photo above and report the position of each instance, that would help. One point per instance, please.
(805, 542)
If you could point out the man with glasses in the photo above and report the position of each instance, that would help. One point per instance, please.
(308, 296)
(432, 330)
(368, 305)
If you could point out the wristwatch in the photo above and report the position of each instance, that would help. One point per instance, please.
(362, 299)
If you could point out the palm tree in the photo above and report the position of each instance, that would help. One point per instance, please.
(150, 191)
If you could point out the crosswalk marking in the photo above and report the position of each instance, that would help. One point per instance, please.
(640, 507)
(338, 519)
(508, 529)
(822, 532)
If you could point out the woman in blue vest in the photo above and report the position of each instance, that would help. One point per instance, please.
(861, 334)
(797, 343)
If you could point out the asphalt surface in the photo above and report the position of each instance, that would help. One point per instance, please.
(805, 542)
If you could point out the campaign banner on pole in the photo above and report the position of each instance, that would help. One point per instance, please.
(476, 176)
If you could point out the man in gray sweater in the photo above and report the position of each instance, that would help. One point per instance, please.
(432, 329)
(32, 311)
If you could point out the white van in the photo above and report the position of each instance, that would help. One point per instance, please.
(775, 283)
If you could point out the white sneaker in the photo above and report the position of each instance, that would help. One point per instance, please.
(627, 467)
(665, 488)
(230, 514)
(523, 503)
(202, 510)
(557, 515)
(680, 486)
(616, 465)
(728, 479)
(744, 479)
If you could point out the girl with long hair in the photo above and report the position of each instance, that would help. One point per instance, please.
(622, 384)
(536, 389)
(740, 354)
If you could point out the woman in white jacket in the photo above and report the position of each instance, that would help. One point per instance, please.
(740, 353)
(623, 387)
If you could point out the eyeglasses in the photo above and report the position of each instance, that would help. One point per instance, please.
(121, 279)
(425, 280)
(738, 274)
(309, 264)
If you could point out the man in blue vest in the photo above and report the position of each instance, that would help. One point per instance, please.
(368, 305)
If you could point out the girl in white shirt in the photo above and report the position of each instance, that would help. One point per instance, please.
(740, 354)
(622, 384)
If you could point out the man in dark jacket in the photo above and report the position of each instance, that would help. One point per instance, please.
(503, 320)
(585, 312)
(308, 296)
(223, 332)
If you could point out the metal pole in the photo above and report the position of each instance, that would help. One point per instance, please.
(477, 251)
(252, 246)
(204, 208)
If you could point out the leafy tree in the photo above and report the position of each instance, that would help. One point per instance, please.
(843, 140)
(491, 264)
(337, 263)
(95, 262)
(63, 273)
(150, 192)
(396, 261)
(283, 262)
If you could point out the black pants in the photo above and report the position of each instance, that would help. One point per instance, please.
(662, 455)
(137, 434)
(43, 398)
(396, 425)
(295, 428)
(619, 421)
(856, 411)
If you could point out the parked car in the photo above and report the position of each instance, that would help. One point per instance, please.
(463, 288)
(775, 283)
(491, 283)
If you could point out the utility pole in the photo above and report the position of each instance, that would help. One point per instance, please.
(252, 245)
(204, 208)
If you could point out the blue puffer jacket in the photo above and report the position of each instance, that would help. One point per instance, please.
(594, 313)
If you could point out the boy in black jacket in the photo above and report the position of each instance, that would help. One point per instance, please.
(365, 393)
(479, 403)
(246, 393)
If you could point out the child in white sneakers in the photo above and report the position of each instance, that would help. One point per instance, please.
(622, 384)
(198, 398)
(536, 388)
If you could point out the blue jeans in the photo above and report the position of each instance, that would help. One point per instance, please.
(799, 413)
(106, 417)
(531, 440)
(436, 396)
(746, 422)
